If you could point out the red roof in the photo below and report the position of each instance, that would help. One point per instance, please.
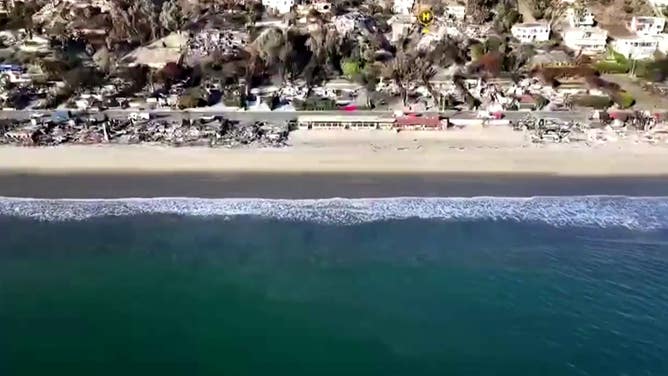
(419, 121)
(527, 98)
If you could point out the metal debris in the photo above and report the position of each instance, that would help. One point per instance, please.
(213, 132)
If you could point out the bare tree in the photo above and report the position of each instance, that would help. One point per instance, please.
(479, 11)
(399, 71)
(171, 16)
(548, 10)
(135, 21)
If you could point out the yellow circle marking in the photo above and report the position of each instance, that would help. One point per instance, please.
(426, 17)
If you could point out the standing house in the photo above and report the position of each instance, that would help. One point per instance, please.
(647, 25)
(279, 6)
(432, 123)
(637, 47)
(637, 39)
(344, 122)
(586, 40)
(530, 32)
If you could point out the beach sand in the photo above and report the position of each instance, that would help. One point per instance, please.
(492, 161)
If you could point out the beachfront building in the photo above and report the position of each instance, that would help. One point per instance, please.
(647, 25)
(431, 123)
(587, 41)
(344, 122)
(530, 32)
(279, 6)
(636, 47)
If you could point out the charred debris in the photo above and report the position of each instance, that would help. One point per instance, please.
(601, 128)
(213, 131)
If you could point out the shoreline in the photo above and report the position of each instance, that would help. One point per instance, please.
(355, 164)
(475, 151)
(321, 186)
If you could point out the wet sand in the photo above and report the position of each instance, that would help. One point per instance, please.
(305, 186)
(470, 162)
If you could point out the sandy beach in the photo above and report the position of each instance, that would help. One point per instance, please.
(341, 163)
(460, 151)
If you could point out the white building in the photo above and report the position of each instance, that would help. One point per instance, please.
(647, 25)
(401, 25)
(403, 6)
(578, 17)
(279, 6)
(588, 41)
(455, 11)
(531, 32)
(662, 40)
(321, 6)
(636, 47)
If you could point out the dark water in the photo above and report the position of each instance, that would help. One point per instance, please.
(167, 295)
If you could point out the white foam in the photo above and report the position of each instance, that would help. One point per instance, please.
(643, 213)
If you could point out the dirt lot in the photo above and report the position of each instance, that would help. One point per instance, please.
(644, 99)
(611, 12)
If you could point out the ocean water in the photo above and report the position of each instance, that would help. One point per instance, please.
(480, 286)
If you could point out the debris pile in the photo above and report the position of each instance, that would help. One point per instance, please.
(213, 132)
(209, 41)
(552, 130)
(638, 126)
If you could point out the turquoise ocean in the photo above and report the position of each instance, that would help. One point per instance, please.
(398, 286)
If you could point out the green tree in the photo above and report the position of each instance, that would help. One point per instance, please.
(477, 50)
(506, 17)
(350, 68)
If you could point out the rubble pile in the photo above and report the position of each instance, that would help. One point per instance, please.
(637, 126)
(207, 42)
(215, 132)
(552, 130)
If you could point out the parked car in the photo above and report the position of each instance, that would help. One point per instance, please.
(139, 116)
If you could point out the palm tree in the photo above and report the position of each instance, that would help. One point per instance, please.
(399, 71)
(425, 72)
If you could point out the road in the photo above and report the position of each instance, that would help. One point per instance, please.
(279, 116)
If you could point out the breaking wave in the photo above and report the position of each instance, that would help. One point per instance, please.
(641, 213)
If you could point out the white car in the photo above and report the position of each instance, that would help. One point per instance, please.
(139, 116)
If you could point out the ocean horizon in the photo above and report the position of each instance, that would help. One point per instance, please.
(559, 285)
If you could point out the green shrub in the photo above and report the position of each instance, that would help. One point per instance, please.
(476, 51)
(652, 70)
(493, 44)
(624, 99)
(616, 57)
(188, 101)
(594, 101)
(541, 102)
(315, 104)
(611, 67)
(350, 68)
